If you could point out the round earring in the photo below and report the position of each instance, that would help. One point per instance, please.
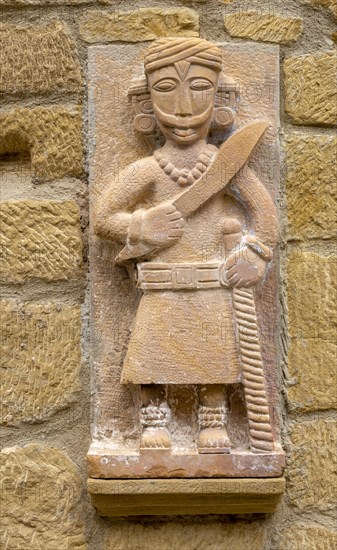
(145, 124)
(223, 117)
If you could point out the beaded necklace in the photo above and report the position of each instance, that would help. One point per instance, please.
(183, 176)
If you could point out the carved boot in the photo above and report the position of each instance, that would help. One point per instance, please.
(213, 436)
(155, 416)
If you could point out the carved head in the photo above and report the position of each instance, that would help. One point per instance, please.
(184, 90)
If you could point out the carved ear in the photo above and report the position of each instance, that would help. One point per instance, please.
(145, 121)
(226, 98)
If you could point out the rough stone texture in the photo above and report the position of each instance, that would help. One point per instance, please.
(139, 25)
(331, 4)
(40, 360)
(311, 471)
(311, 88)
(301, 537)
(52, 135)
(311, 186)
(41, 493)
(265, 27)
(187, 535)
(23, 51)
(312, 287)
(40, 239)
(45, 3)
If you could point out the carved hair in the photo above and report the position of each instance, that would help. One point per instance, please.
(224, 106)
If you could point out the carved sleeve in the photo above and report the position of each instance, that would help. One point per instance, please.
(249, 190)
(115, 211)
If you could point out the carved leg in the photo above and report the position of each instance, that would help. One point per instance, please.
(213, 436)
(155, 415)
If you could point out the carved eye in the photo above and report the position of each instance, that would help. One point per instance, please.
(201, 85)
(165, 86)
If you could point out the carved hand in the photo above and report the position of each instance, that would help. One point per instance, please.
(244, 268)
(161, 225)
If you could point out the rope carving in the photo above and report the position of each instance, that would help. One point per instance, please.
(260, 432)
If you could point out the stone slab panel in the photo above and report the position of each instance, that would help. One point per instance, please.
(40, 240)
(40, 499)
(188, 535)
(138, 25)
(263, 27)
(311, 186)
(311, 88)
(312, 287)
(311, 466)
(40, 360)
(23, 54)
(302, 537)
(114, 144)
(102, 463)
(51, 135)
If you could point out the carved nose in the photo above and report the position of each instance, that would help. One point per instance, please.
(183, 106)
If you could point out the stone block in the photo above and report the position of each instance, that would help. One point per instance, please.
(311, 470)
(302, 537)
(40, 360)
(40, 240)
(311, 88)
(24, 51)
(52, 135)
(40, 499)
(138, 25)
(312, 287)
(263, 27)
(189, 535)
(311, 186)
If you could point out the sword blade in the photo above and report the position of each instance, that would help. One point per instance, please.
(232, 156)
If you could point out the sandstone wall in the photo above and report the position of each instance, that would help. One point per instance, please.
(45, 382)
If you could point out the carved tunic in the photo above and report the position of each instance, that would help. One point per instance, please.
(187, 336)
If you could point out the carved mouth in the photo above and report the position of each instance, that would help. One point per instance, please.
(183, 133)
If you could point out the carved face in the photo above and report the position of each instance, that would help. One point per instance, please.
(183, 100)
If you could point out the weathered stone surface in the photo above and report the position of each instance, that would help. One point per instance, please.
(23, 54)
(331, 4)
(301, 537)
(40, 239)
(264, 27)
(45, 3)
(40, 499)
(311, 88)
(192, 535)
(52, 135)
(311, 471)
(138, 25)
(40, 360)
(312, 287)
(311, 186)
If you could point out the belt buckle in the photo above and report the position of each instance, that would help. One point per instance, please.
(183, 277)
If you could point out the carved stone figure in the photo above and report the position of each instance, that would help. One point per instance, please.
(198, 229)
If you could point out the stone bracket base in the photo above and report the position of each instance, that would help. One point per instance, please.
(134, 497)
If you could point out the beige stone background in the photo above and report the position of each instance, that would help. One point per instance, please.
(45, 382)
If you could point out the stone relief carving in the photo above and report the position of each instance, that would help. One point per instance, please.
(198, 229)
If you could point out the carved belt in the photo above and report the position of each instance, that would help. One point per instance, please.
(188, 276)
